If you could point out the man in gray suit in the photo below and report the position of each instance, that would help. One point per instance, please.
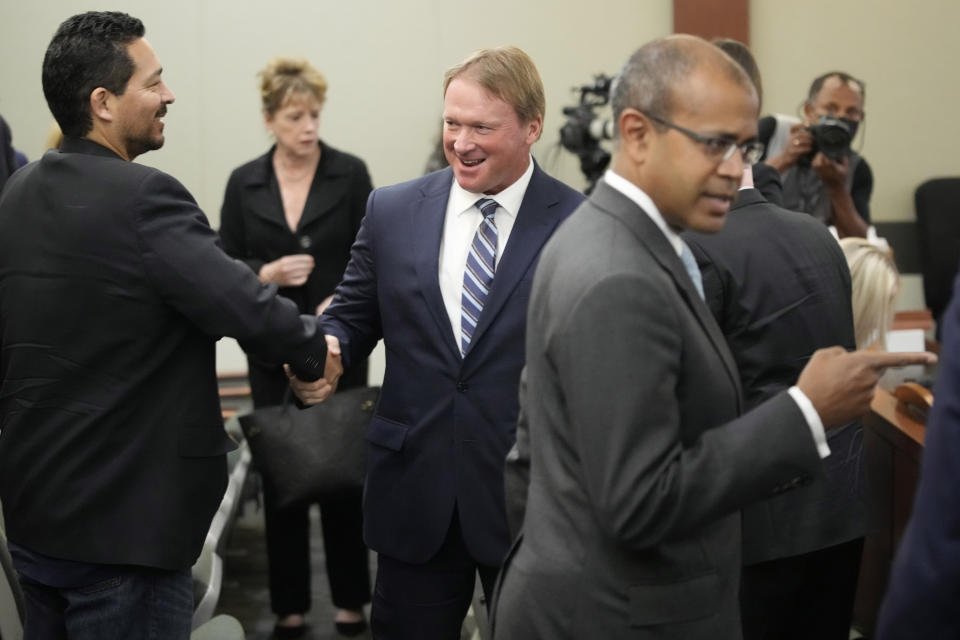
(639, 462)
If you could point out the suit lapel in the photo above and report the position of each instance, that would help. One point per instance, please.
(426, 231)
(620, 206)
(328, 188)
(534, 224)
(260, 196)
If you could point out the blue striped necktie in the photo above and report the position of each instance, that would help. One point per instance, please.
(693, 270)
(478, 276)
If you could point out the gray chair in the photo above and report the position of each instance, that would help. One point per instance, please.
(11, 599)
(937, 203)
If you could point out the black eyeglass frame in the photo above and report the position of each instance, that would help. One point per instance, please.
(718, 148)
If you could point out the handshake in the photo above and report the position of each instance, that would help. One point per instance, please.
(321, 389)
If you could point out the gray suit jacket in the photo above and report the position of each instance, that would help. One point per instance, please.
(638, 462)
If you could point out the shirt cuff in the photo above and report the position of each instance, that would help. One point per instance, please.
(813, 420)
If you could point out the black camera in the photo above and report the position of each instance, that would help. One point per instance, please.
(831, 137)
(583, 130)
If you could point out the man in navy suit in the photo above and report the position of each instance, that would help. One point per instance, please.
(925, 582)
(420, 278)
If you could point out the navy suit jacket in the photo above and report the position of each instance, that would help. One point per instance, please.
(925, 582)
(444, 422)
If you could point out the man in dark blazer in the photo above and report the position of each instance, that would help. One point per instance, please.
(8, 163)
(114, 291)
(779, 287)
(921, 601)
(434, 502)
(639, 462)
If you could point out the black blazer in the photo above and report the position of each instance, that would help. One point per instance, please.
(254, 229)
(113, 291)
(8, 163)
(779, 287)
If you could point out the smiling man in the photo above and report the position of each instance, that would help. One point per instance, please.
(114, 291)
(441, 270)
(639, 463)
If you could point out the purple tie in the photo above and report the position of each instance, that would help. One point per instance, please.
(478, 276)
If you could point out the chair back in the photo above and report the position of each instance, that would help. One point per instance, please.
(937, 203)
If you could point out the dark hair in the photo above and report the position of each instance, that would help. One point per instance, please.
(844, 77)
(87, 51)
(742, 56)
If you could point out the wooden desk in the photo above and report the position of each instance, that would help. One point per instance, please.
(893, 442)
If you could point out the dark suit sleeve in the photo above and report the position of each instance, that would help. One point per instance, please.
(767, 181)
(186, 265)
(648, 481)
(517, 469)
(7, 161)
(354, 314)
(862, 189)
(232, 231)
(362, 186)
(925, 581)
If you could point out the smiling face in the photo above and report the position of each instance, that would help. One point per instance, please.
(484, 140)
(691, 189)
(296, 125)
(144, 102)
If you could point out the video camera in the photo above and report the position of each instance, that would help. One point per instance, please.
(583, 130)
(832, 137)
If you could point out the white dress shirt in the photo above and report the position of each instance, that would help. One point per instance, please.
(637, 195)
(459, 227)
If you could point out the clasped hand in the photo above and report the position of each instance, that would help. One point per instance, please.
(319, 390)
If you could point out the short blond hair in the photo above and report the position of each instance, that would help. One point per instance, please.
(507, 73)
(875, 282)
(285, 79)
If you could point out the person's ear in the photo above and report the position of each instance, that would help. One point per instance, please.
(534, 129)
(101, 104)
(636, 134)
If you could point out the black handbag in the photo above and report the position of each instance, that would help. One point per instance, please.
(313, 453)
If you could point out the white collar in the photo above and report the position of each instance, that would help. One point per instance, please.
(509, 199)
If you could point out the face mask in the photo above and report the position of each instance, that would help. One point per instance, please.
(852, 124)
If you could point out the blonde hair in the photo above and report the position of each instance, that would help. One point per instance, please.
(876, 282)
(507, 73)
(285, 79)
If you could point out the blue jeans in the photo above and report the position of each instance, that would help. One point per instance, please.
(140, 603)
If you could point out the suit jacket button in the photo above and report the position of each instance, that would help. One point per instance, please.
(462, 386)
(305, 242)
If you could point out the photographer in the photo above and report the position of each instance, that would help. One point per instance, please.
(821, 175)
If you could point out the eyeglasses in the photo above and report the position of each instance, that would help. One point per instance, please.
(718, 149)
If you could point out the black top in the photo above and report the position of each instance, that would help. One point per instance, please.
(114, 291)
(254, 229)
(803, 189)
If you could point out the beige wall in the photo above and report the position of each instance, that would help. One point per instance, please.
(905, 52)
(384, 61)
